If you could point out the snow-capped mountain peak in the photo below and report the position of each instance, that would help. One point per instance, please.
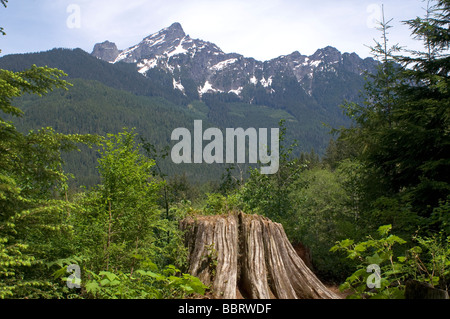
(212, 70)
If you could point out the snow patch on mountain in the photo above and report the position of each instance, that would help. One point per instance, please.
(223, 64)
(160, 39)
(266, 83)
(177, 85)
(147, 64)
(178, 50)
(208, 88)
(315, 64)
(238, 91)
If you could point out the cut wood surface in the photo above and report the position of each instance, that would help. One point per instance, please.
(249, 256)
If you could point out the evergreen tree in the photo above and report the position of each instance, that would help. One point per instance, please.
(422, 139)
(402, 128)
(34, 228)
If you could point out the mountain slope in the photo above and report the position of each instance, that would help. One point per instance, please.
(169, 79)
(92, 107)
(309, 88)
(80, 64)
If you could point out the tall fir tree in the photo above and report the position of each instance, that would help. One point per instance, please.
(402, 128)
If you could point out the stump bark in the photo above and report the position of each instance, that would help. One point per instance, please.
(249, 256)
(421, 290)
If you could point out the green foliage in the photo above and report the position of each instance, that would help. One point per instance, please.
(429, 261)
(379, 252)
(2, 32)
(387, 173)
(121, 228)
(395, 163)
(121, 212)
(229, 183)
(441, 216)
(36, 80)
(269, 195)
(317, 206)
(144, 284)
(33, 218)
(324, 215)
(216, 203)
(402, 126)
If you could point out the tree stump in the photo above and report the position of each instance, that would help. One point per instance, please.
(422, 290)
(250, 256)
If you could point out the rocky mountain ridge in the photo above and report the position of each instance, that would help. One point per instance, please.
(213, 70)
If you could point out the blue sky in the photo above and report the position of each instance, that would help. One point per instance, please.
(262, 29)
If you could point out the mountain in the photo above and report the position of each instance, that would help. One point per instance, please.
(213, 71)
(170, 79)
(106, 51)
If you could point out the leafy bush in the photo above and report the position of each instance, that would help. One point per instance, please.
(144, 284)
(430, 260)
(427, 262)
(219, 204)
(375, 254)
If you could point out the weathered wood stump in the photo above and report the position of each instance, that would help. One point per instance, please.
(422, 290)
(248, 255)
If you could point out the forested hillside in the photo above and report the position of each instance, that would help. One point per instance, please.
(106, 97)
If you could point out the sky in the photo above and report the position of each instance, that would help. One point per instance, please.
(261, 29)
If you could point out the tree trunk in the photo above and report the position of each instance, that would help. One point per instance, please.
(249, 256)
